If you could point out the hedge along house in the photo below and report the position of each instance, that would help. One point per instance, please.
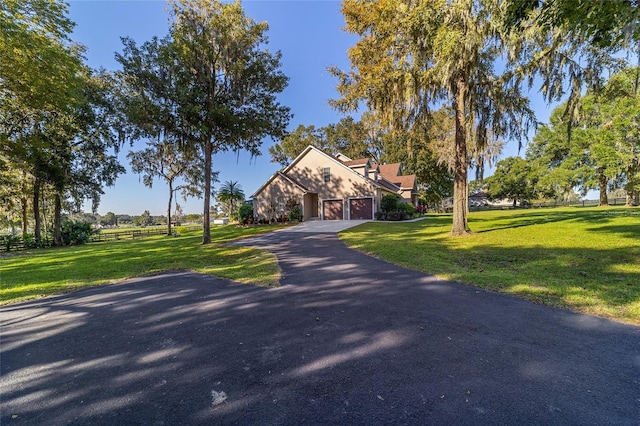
(331, 187)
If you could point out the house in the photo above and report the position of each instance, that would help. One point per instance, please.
(331, 187)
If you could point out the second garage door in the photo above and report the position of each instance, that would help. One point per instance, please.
(361, 208)
(332, 210)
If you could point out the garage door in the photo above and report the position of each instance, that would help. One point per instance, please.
(332, 210)
(361, 208)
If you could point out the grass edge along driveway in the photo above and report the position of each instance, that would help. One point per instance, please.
(47, 272)
(584, 259)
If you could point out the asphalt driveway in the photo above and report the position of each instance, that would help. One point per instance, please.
(347, 339)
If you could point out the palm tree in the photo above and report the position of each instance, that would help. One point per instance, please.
(229, 194)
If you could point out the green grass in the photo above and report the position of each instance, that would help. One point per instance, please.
(586, 259)
(52, 271)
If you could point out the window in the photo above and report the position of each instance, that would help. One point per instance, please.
(280, 204)
(326, 174)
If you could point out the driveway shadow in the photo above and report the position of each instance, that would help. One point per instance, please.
(346, 339)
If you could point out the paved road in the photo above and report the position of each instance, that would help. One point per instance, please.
(347, 339)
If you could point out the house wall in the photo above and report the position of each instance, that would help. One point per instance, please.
(408, 196)
(308, 171)
(278, 187)
(344, 182)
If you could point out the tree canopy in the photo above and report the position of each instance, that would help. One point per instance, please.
(180, 170)
(56, 131)
(513, 179)
(213, 82)
(349, 137)
(413, 56)
(607, 23)
(604, 151)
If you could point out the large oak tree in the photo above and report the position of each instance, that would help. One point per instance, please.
(604, 150)
(214, 82)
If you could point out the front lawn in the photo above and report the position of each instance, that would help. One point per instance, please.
(52, 271)
(585, 259)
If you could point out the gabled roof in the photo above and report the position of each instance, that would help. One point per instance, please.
(283, 176)
(389, 178)
(405, 182)
(389, 171)
(330, 157)
(356, 163)
(342, 157)
(389, 186)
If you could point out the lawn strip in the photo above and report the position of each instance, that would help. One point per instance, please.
(585, 259)
(51, 271)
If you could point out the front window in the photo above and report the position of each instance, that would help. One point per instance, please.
(326, 174)
(280, 204)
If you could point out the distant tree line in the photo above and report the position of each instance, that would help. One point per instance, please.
(601, 152)
(144, 219)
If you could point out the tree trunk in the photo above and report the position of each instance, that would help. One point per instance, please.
(37, 236)
(57, 221)
(460, 188)
(43, 207)
(636, 198)
(25, 218)
(206, 218)
(632, 194)
(602, 180)
(169, 207)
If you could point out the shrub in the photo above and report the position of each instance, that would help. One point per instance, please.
(403, 212)
(397, 215)
(389, 202)
(408, 208)
(180, 230)
(295, 215)
(74, 233)
(29, 241)
(245, 213)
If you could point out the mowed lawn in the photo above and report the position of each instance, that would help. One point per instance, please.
(52, 271)
(585, 259)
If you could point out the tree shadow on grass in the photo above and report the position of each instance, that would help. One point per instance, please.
(626, 231)
(529, 217)
(66, 269)
(563, 266)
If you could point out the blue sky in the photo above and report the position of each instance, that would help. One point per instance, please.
(309, 35)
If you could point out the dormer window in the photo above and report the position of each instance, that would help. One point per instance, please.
(326, 174)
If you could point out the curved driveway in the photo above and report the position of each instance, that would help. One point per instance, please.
(346, 339)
